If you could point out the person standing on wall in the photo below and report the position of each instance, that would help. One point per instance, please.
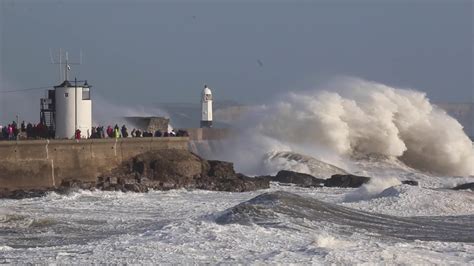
(116, 132)
(78, 134)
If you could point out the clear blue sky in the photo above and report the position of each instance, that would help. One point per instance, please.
(164, 51)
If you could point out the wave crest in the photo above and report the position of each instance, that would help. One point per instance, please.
(355, 116)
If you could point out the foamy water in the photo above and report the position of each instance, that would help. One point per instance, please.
(180, 226)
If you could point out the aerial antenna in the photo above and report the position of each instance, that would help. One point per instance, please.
(51, 56)
(64, 67)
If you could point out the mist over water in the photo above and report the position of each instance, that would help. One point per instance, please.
(106, 113)
(352, 118)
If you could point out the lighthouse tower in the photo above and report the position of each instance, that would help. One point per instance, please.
(73, 109)
(68, 107)
(206, 102)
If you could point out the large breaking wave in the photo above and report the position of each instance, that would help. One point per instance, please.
(352, 117)
(284, 209)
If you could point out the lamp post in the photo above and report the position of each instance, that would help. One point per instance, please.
(75, 105)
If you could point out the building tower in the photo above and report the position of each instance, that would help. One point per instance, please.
(206, 102)
(68, 107)
(73, 109)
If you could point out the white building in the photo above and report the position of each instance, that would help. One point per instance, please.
(73, 109)
(206, 102)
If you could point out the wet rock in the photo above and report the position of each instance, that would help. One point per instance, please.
(465, 186)
(173, 166)
(236, 183)
(220, 169)
(112, 180)
(23, 193)
(410, 182)
(140, 188)
(68, 186)
(300, 179)
(76, 184)
(346, 181)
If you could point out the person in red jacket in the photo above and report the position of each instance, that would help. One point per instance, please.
(78, 134)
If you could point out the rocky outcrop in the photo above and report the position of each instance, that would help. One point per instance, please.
(465, 186)
(306, 180)
(164, 169)
(174, 169)
(346, 181)
(410, 182)
(300, 179)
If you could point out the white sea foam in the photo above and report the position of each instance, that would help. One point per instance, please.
(372, 189)
(328, 241)
(174, 227)
(351, 117)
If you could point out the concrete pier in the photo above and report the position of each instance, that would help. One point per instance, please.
(34, 164)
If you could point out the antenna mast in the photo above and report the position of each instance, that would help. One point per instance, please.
(67, 64)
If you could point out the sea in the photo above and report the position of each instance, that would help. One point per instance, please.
(402, 224)
(366, 128)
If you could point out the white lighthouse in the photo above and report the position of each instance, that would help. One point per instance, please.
(73, 109)
(206, 102)
(68, 107)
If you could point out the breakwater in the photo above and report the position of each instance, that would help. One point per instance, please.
(33, 164)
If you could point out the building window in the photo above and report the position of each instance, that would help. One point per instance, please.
(66, 94)
(86, 94)
(208, 97)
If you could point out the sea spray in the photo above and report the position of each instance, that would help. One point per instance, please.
(371, 189)
(350, 118)
(107, 113)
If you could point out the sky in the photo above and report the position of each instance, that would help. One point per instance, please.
(145, 52)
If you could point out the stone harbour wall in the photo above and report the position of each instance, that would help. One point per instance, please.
(37, 164)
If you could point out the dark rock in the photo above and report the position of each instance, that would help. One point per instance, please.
(346, 181)
(68, 186)
(220, 169)
(165, 186)
(127, 181)
(112, 180)
(23, 193)
(76, 184)
(299, 179)
(174, 169)
(135, 188)
(410, 182)
(236, 183)
(175, 166)
(465, 186)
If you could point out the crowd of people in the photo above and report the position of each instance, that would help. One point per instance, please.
(30, 131)
(117, 132)
(39, 131)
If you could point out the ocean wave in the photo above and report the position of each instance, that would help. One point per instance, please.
(349, 119)
(275, 209)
